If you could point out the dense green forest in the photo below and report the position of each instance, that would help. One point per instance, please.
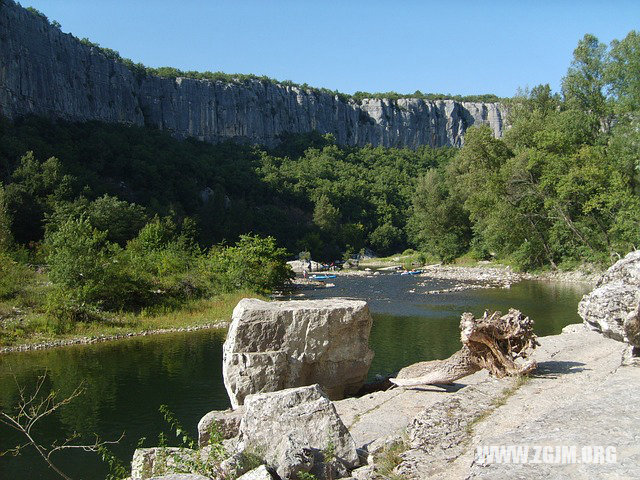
(126, 218)
(561, 187)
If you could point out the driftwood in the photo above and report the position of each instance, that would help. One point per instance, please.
(499, 343)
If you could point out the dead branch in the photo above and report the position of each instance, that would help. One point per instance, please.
(496, 342)
(34, 407)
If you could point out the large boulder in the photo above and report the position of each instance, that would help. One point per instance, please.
(276, 345)
(612, 308)
(298, 430)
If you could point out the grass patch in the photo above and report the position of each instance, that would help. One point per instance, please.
(408, 259)
(23, 319)
(389, 458)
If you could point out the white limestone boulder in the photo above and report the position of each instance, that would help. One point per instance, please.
(612, 308)
(298, 430)
(276, 345)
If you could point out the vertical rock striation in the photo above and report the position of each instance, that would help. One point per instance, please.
(46, 72)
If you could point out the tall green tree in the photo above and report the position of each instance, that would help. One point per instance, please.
(583, 86)
(438, 223)
(622, 72)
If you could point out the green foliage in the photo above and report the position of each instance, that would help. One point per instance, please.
(622, 72)
(34, 190)
(187, 463)
(6, 237)
(120, 220)
(438, 224)
(176, 427)
(14, 276)
(254, 263)
(583, 86)
(37, 12)
(306, 476)
(394, 96)
(117, 469)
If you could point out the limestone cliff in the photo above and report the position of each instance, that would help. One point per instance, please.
(46, 72)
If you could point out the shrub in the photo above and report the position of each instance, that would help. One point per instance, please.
(93, 270)
(14, 276)
(254, 263)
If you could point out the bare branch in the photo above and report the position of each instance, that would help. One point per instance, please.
(33, 408)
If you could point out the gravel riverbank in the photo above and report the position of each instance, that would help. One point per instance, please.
(106, 338)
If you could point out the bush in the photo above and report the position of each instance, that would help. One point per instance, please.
(254, 263)
(14, 276)
(63, 311)
(93, 270)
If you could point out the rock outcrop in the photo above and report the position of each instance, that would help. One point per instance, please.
(612, 308)
(271, 346)
(46, 72)
(298, 430)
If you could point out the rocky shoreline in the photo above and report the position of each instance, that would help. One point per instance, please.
(107, 338)
(435, 431)
(574, 394)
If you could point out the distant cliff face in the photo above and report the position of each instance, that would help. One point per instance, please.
(46, 72)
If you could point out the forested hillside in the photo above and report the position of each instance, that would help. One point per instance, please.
(125, 218)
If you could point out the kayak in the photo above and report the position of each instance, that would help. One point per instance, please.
(322, 277)
(412, 272)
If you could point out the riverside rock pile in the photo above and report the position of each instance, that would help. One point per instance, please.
(474, 277)
(428, 432)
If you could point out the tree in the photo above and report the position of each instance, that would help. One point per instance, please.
(254, 264)
(622, 72)
(35, 189)
(120, 220)
(438, 224)
(385, 239)
(583, 86)
(87, 269)
(325, 215)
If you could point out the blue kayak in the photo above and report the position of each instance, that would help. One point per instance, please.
(322, 277)
(412, 272)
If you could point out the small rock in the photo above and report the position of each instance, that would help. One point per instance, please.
(148, 462)
(260, 473)
(227, 423)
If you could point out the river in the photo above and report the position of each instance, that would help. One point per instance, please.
(127, 380)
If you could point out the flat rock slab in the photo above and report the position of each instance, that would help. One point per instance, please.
(580, 396)
(381, 414)
(276, 345)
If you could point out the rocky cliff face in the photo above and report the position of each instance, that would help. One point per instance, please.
(46, 72)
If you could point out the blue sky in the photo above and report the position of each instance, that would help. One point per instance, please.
(461, 47)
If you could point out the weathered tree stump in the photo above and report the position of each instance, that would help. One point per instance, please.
(499, 343)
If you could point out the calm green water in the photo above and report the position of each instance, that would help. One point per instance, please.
(126, 381)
